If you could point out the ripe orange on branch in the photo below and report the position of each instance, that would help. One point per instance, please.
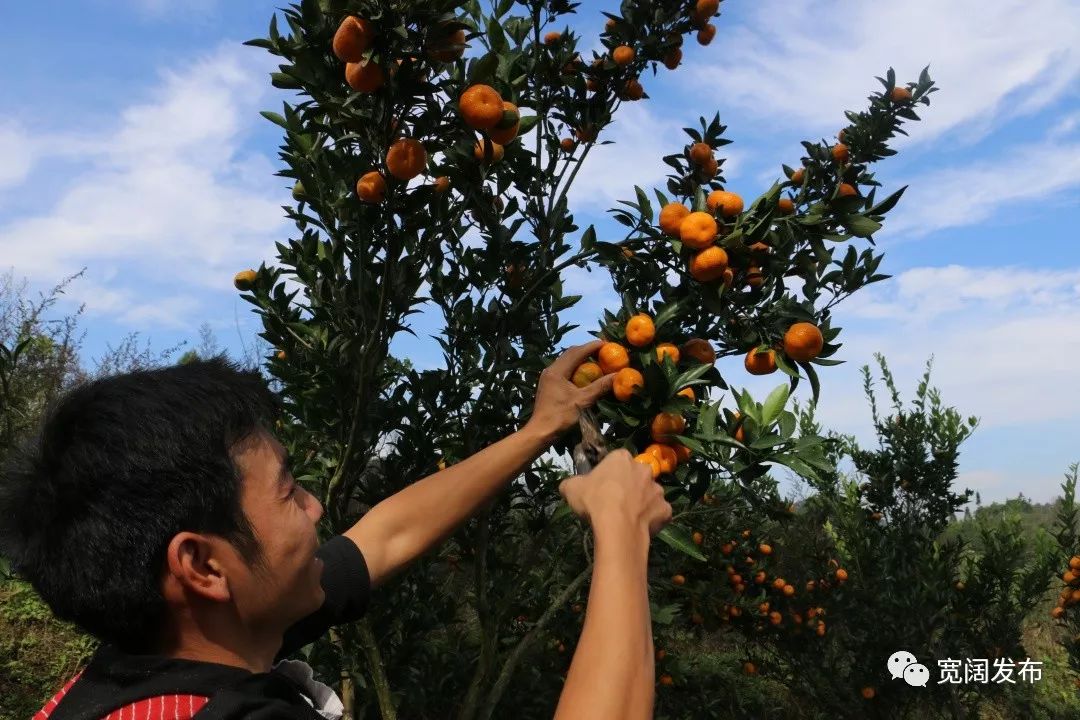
(667, 350)
(700, 153)
(640, 330)
(688, 393)
(698, 230)
(846, 190)
(353, 37)
(650, 460)
(481, 107)
(728, 203)
(760, 363)
(507, 127)
(623, 55)
(483, 147)
(709, 264)
(586, 373)
(803, 342)
(445, 46)
(612, 357)
(365, 78)
(552, 37)
(671, 218)
(406, 158)
(706, 34)
(371, 187)
(840, 153)
(245, 279)
(665, 455)
(627, 381)
(665, 425)
(900, 94)
(699, 350)
(785, 205)
(798, 175)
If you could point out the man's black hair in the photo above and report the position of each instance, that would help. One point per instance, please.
(118, 467)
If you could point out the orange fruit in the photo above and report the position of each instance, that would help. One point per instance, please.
(727, 549)
(666, 679)
(797, 176)
(633, 90)
(364, 78)
(1069, 577)
(678, 580)
(667, 350)
(803, 342)
(740, 433)
(586, 373)
(706, 8)
(789, 590)
(709, 264)
(709, 168)
(654, 465)
(245, 279)
(481, 107)
(754, 278)
(673, 58)
(765, 549)
(623, 55)
(841, 574)
(661, 654)
(785, 206)
(700, 153)
(281, 355)
(688, 393)
(729, 203)
(728, 277)
(900, 94)
(665, 455)
(760, 363)
(371, 187)
(1074, 562)
(775, 617)
(706, 34)
(612, 357)
(406, 158)
(552, 37)
(671, 217)
(699, 350)
(698, 538)
(682, 453)
(354, 35)
(840, 153)
(442, 184)
(567, 144)
(446, 47)
(846, 190)
(640, 330)
(610, 24)
(820, 630)
(626, 381)
(760, 577)
(665, 425)
(587, 133)
(480, 150)
(868, 693)
(698, 230)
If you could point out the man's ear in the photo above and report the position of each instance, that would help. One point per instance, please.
(193, 561)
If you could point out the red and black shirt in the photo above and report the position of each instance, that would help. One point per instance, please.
(120, 686)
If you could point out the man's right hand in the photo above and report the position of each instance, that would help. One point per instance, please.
(619, 487)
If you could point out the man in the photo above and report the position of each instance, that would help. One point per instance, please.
(156, 511)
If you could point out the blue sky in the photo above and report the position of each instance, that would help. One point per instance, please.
(131, 144)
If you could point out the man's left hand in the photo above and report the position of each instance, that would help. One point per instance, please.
(558, 400)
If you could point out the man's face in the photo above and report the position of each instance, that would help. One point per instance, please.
(284, 516)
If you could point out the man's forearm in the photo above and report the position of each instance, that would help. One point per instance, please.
(612, 673)
(425, 513)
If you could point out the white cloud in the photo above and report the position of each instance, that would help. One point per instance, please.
(801, 64)
(17, 150)
(970, 194)
(157, 9)
(168, 200)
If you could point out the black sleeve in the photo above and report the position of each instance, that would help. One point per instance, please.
(347, 585)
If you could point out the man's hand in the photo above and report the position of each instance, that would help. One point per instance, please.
(558, 400)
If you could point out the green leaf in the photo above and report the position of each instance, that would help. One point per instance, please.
(528, 122)
(860, 225)
(774, 404)
(888, 203)
(669, 311)
(643, 204)
(679, 538)
(588, 239)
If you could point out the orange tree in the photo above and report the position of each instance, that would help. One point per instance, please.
(431, 146)
(896, 580)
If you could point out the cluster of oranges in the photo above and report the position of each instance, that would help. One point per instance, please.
(665, 453)
(484, 110)
(745, 560)
(1070, 595)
